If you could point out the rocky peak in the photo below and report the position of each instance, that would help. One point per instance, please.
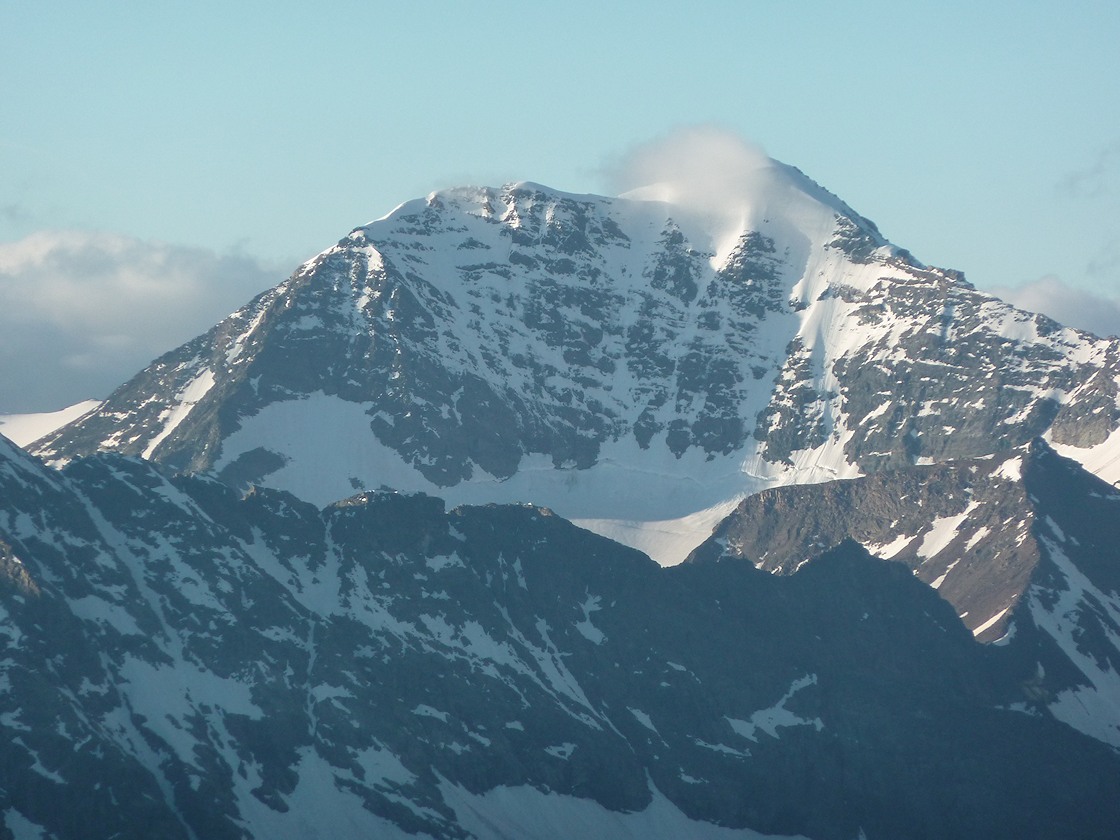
(520, 343)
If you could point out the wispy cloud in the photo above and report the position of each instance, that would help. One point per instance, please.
(81, 312)
(703, 165)
(710, 175)
(1105, 265)
(1098, 178)
(13, 213)
(1067, 305)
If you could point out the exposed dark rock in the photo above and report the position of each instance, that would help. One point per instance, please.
(206, 656)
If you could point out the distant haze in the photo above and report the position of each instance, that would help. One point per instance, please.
(82, 312)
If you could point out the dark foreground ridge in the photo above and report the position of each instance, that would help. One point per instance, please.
(183, 660)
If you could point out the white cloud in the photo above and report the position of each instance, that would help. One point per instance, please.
(702, 166)
(81, 312)
(711, 175)
(1067, 305)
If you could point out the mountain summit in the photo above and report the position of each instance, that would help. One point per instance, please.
(635, 364)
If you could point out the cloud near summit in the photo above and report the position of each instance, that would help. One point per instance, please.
(81, 312)
(705, 166)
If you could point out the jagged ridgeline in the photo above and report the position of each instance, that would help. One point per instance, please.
(523, 344)
(184, 660)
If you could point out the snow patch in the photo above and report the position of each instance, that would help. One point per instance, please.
(586, 629)
(777, 716)
(97, 609)
(183, 403)
(526, 813)
(981, 532)
(563, 751)
(990, 622)
(1011, 469)
(169, 697)
(21, 827)
(667, 541)
(428, 711)
(644, 719)
(937, 583)
(943, 531)
(887, 551)
(681, 502)
(25, 429)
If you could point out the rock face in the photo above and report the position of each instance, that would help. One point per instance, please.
(1025, 547)
(525, 344)
(180, 659)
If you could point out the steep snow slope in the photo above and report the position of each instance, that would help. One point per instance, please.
(1102, 459)
(636, 364)
(24, 429)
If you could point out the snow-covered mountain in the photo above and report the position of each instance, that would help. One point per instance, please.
(522, 344)
(313, 574)
(178, 659)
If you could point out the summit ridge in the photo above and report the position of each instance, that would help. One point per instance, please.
(520, 343)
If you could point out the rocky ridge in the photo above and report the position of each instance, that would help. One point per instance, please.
(1023, 546)
(180, 658)
(522, 344)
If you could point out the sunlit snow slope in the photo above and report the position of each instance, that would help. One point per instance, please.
(24, 429)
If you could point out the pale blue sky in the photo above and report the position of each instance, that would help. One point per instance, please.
(981, 136)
